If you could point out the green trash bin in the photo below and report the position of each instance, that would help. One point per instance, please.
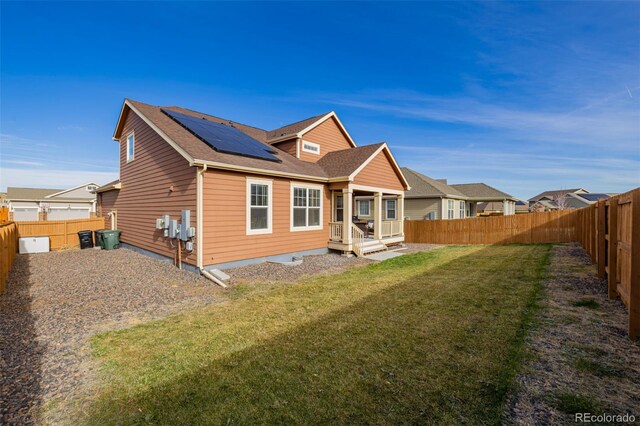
(111, 239)
(97, 238)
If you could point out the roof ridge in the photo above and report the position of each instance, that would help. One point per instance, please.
(300, 121)
(220, 118)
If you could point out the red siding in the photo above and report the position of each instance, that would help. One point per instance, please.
(158, 181)
(379, 173)
(330, 138)
(224, 230)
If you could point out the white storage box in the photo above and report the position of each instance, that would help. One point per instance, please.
(33, 245)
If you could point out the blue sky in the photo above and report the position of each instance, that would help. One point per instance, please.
(523, 96)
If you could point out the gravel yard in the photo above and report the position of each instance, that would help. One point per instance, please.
(327, 264)
(55, 301)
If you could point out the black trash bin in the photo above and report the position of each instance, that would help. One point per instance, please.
(86, 239)
(97, 237)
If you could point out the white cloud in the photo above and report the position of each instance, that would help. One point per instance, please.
(48, 178)
(24, 163)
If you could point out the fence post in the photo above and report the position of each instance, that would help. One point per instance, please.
(612, 256)
(634, 284)
(601, 243)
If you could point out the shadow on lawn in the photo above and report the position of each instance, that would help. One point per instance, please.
(20, 353)
(429, 349)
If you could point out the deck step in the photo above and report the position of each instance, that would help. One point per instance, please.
(373, 248)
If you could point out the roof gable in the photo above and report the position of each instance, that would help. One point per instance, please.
(423, 186)
(481, 190)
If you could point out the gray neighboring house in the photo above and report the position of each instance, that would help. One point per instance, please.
(436, 199)
(30, 204)
(495, 208)
(565, 199)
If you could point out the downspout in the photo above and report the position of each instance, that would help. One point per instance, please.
(202, 168)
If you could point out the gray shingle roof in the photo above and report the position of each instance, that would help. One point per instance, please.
(423, 186)
(555, 193)
(481, 190)
(34, 194)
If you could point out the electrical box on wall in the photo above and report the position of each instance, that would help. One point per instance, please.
(173, 228)
(159, 224)
(185, 224)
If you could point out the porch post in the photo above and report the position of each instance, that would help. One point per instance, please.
(377, 215)
(347, 202)
(401, 213)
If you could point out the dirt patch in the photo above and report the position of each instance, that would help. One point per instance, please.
(326, 264)
(55, 301)
(579, 356)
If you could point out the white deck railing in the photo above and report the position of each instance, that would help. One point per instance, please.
(336, 231)
(391, 228)
(358, 240)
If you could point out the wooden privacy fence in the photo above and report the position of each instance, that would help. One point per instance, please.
(610, 232)
(62, 233)
(544, 227)
(8, 249)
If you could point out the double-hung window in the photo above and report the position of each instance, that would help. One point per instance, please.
(391, 209)
(339, 212)
(306, 207)
(450, 208)
(259, 206)
(363, 208)
(462, 209)
(131, 147)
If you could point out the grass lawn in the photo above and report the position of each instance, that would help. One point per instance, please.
(433, 337)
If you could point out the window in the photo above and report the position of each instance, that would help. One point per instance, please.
(311, 147)
(430, 216)
(450, 209)
(461, 209)
(339, 208)
(306, 207)
(259, 203)
(91, 187)
(390, 209)
(364, 208)
(131, 147)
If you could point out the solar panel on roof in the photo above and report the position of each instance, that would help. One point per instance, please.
(593, 197)
(223, 138)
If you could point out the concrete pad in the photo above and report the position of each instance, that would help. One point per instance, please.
(379, 257)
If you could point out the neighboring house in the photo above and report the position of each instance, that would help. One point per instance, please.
(29, 204)
(3, 198)
(565, 199)
(435, 199)
(495, 208)
(547, 200)
(253, 194)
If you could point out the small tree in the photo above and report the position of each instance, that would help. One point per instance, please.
(561, 201)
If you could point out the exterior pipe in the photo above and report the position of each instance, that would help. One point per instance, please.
(212, 278)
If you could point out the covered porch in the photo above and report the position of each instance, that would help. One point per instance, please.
(365, 220)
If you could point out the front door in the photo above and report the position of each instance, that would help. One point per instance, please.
(338, 208)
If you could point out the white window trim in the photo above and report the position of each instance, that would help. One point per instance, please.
(462, 208)
(269, 228)
(306, 228)
(386, 209)
(310, 144)
(134, 147)
(368, 203)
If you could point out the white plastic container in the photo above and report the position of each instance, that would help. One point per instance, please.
(28, 245)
